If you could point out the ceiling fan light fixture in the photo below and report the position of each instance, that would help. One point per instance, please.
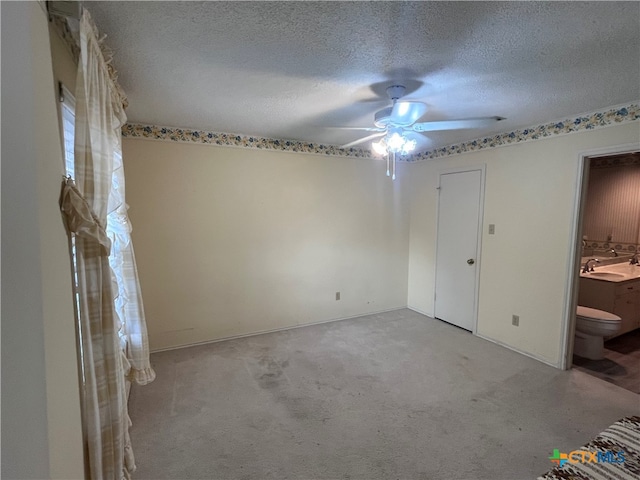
(380, 147)
(408, 146)
(395, 142)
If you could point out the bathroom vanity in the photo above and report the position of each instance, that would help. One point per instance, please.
(615, 289)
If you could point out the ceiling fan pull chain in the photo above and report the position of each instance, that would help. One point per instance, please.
(393, 177)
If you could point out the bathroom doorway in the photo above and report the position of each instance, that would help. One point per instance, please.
(607, 240)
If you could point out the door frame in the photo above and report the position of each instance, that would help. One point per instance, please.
(482, 167)
(573, 264)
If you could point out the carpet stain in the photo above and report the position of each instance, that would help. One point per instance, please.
(305, 409)
(269, 372)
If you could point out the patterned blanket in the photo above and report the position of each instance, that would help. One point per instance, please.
(612, 455)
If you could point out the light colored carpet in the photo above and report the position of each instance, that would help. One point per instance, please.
(390, 396)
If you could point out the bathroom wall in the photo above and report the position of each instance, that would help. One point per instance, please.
(612, 210)
(231, 241)
(524, 268)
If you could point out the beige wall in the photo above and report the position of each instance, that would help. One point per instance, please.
(64, 66)
(41, 430)
(530, 195)
(234, 241)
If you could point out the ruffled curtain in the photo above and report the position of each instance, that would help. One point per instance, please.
(128, 299)
(112, 328)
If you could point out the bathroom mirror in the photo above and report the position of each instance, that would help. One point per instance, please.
(612, 209)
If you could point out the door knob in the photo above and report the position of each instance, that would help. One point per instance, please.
(471, 261)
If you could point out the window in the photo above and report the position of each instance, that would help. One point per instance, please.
(68, 118)
(68, 115)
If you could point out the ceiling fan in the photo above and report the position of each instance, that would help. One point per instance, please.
(400, 130)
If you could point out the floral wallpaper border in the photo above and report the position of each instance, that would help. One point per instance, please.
(605, 245)
(234, 140)
(590, 121)
(616, 161)
(614, 115)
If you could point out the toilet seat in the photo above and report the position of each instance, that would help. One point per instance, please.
(598, 315)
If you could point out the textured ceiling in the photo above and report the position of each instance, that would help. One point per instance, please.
(290, 70)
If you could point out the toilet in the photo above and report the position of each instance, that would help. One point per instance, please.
(592, 326)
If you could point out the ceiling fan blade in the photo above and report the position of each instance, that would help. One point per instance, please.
(365, 129)
(362, 140)
(455, 124)
(405, 113)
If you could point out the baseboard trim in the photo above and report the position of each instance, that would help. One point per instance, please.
(498, 342)
(517, 350)
(273, 330)
(292, 327)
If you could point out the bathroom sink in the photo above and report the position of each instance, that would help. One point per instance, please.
(617, 272)
(607, 275)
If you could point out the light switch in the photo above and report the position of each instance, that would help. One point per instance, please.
(492, 229)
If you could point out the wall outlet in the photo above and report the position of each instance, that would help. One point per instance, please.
(515, 320)
(492, 229)
(337, 295)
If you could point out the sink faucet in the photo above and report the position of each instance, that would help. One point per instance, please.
(587, 268)
(613, 250)
(634, 260)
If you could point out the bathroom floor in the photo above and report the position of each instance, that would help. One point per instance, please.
(621, 365)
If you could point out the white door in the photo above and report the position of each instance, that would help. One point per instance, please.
(459, 209)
